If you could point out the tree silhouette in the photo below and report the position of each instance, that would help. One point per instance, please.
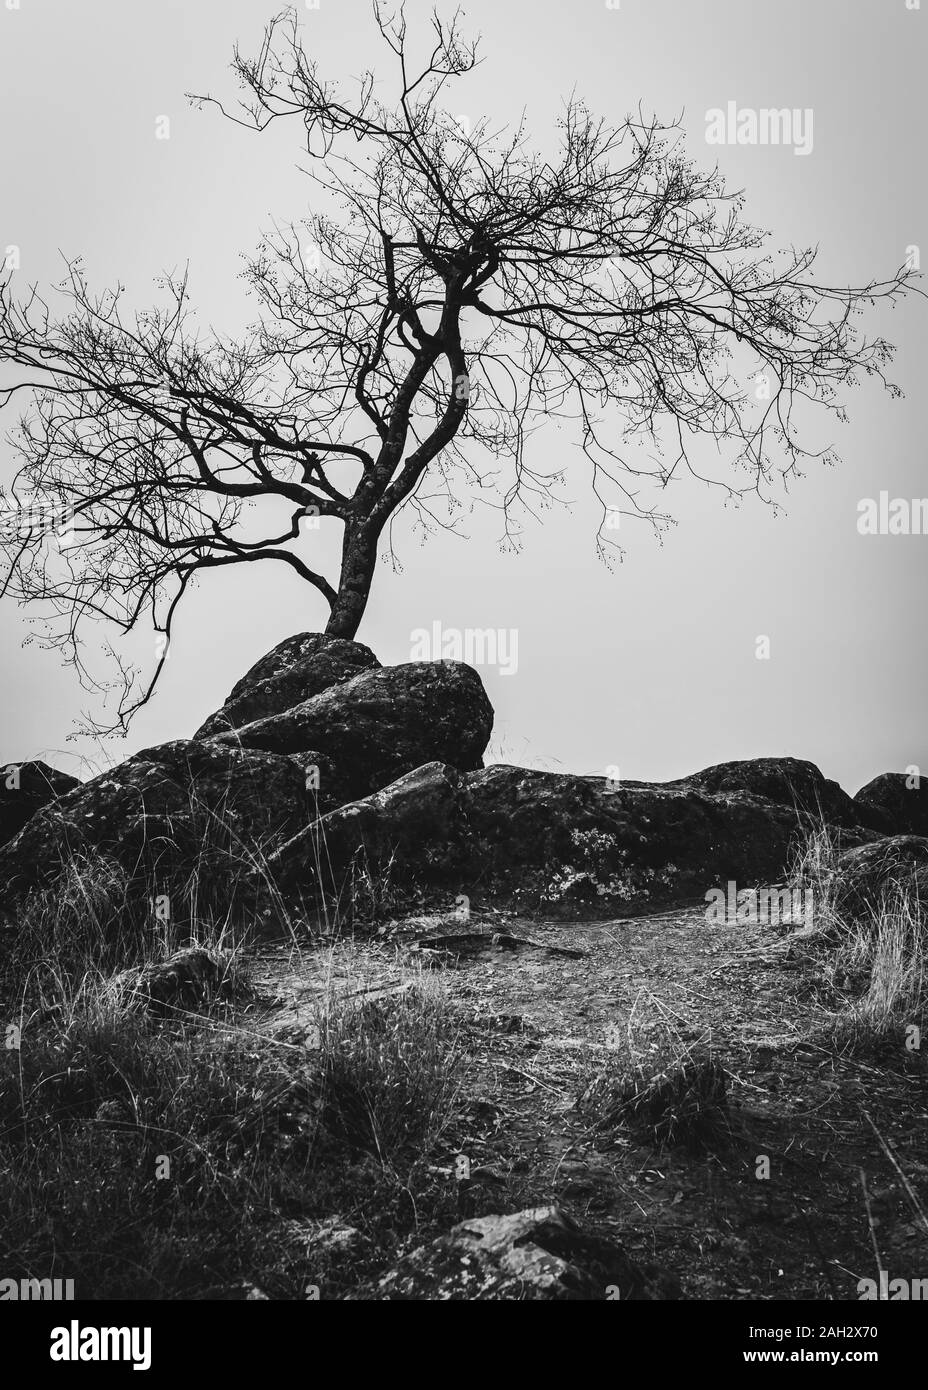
(456, 290)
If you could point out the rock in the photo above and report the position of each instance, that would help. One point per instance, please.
(24, 789)
(296, 670)
(535, 1254)
(324, 784)
(638, 840)
(162, 811)
(188, 979)
(892, 807)
(419, 817)
(867, 877)
(790, 782)
(545, 837)
(384, 723)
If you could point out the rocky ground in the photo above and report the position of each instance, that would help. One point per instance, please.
(563, 1078)
(540, 1002)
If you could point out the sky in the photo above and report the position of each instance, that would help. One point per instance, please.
(652, 668)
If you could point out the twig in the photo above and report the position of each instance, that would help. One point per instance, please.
(910, 1190)
(876, 1248)
(536, 1079)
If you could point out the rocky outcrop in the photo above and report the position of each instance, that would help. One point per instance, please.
(383, 723)
(296, 670)
(591, 841)
(162, 809)
(24, 789)
(893, 804)
(871, 876)
(328, 760)
(790, 782)
(543, 837)
(538, 1254)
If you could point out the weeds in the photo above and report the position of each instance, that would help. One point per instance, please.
(880, 960)
(174, 1152)
(668, 1092)
(814, 859)
(872, 957)
(391, 1067)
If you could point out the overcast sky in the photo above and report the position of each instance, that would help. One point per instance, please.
(651, 668)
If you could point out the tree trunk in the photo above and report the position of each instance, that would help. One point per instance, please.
(359, 556)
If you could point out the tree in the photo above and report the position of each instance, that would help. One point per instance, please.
(455, 290)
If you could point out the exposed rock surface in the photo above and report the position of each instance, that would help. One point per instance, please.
(531, 1255)
(624, 841)
(791, 782)
(551, 836)
(421, 817)
(296, 670)
(163, 807)
(870, 875)
(891, 806)
(327, 758)
(384, 723)
(24, 789)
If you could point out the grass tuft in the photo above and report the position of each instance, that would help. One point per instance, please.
(667, 1091)
(180, 1151)
(873, 959)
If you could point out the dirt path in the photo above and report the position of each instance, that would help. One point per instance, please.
(543, 1003)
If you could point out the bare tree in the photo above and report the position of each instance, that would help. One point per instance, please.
(455, 290)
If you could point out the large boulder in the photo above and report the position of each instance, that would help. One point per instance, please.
(384, 723)
(539, 1254)
(296, 670)
(892, 805)
(870, 877)
(545, 838)
(163, 810)
(24, 789)
(791, 782)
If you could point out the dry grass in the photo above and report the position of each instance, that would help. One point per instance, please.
(665, 1090)
(875, 961)
(880, 960)
(812, 868)
(172, 1154)
(391, 1066)
(673, 1100)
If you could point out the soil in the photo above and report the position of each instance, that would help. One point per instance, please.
(544, 1003)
